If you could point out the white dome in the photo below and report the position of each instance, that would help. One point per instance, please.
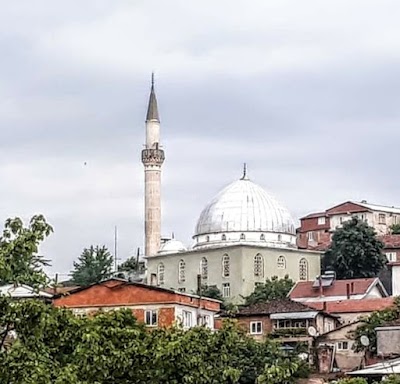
(243, 211)
(172, 246)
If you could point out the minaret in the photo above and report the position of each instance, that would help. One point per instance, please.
(152, 159)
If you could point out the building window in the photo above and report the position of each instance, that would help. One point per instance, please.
(382, 218)
(321, 220)
(181, 272)
(182, 289)
(223, 237)
(207, 238)
(226, 290)
(151, 318)
(187, 319)
(255, 327)
(206, 320)
(262, 237)
(225, 266)
(279, 237)
(242, 236)
(310, 236)
(281, 262)
(204, 268)
(303, 270)
(342, 345)
(161, 274)
(391, 256)
(258, 265)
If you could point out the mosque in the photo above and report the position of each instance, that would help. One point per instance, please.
(243, 235)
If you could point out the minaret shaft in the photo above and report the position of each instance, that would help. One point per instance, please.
(152, 159)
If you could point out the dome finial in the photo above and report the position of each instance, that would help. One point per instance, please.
(244, 177)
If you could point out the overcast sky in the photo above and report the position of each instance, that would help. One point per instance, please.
(305, 92)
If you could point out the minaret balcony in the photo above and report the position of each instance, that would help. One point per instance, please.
(153, 156)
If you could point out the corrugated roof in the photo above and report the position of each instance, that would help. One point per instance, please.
(275, 306)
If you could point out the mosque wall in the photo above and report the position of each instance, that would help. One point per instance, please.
(243, 273)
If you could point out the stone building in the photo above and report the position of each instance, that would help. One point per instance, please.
(243, 236)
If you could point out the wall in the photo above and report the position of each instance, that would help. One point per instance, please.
(388, 341)
(244, 324)
(396, 280)
(242, 280)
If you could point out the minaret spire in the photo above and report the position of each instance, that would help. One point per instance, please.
(244, 177)
(152, 109)
(152, 159)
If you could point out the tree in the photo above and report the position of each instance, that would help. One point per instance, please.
(19, 261)
(212, 292)
(93, 266)
(272, 289)
(355, 251)
(395, 229)
(54, 346)
(132, 265)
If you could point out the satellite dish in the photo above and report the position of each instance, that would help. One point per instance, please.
(364, 340)
(303, 356)
(312, 331)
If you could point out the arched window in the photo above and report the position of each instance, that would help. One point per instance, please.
(279, 237)
(262, 237)
(225, 266)
(303, 269)
(281, 264)
(160, 274)
(242, 236)
(207, 238)
(258, 265)
(181, 271)
(204, 268)
(223, 237)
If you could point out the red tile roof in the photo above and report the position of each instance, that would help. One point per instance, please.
(390, 241)
(353, 306)
(274, 306)
(305, 289)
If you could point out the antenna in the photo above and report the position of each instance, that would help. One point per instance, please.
(137, 258)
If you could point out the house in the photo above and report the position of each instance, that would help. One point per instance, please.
(327, 288)
(379, 370)
(287, 320)
(154, 306)
(335, 351)
(316, 229)
(22, 291)
(350, 311)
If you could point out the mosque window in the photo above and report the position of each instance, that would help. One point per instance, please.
(161, 274)
(279, 237)
(207, 238)
(225, 266)
(258, 265)
(303, 269)
(223, 237)
(262, 237)
(204, 268)
(242, 236)
(226, 290)
(181, 271)
(281, 262)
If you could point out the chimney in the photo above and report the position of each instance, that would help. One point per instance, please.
(321, 288)
(348, 291)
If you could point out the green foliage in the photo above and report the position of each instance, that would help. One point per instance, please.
(131, 265)
(19, 261)
(352, 380)
(279, 372)
(369, 324)
(392, 379)
(355, 251)
(395, 229)
(93, 266)
(213, 292)
(273, 289)
(54, 346)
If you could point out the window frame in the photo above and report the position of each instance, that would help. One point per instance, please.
(340, 345)
(381, 218)
(187, 319)
(226, 266)
(151, 312)
(255, 324)
(321, 220)
(303, 264)
(281, 258)
(204, 269)
(389, 258)
(181, 271)
(258, 265)
(161, 272)
(226, 290)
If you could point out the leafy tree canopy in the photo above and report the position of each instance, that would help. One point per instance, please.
(355, 251)
(131, 265)
(54, 346)
(272, 289)
(93, 266)
(19, 261)
(395, 229)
